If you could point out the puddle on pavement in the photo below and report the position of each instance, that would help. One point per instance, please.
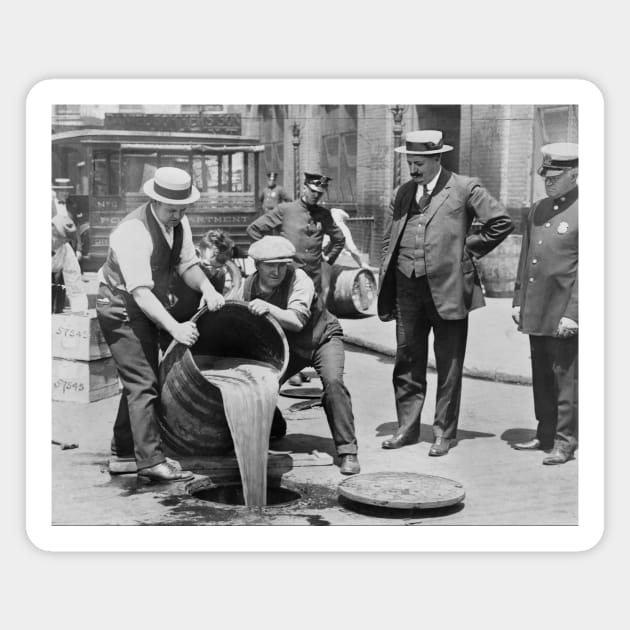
(202, 502)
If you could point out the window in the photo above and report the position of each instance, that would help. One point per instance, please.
(558, 123)
(137, 169)
(106, 169)
(339, 151)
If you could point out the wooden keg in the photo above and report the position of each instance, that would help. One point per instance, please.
(194, 421)
(498, 268)
(352, 291)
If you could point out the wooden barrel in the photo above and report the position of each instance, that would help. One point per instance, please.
(352, 291)
(194, 421)
(498, 268)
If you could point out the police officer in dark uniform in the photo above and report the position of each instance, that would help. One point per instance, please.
(273, 194)
(304, 223)
(546, 303)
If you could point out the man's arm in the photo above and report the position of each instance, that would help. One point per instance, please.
(265, 224)
(287, 318)
(337, 240)
(298, 310)
(185, 332)
(496, 222)
(197, 279)
(572, 307)
(388, 219)
(283, 196)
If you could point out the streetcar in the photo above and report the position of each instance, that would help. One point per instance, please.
(108, 167)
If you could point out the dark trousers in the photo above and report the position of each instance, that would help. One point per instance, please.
(555, 383)
(416, 315)
(58, 292)
(133, 342)
(328, 361)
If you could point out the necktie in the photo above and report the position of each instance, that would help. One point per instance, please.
(425, 200)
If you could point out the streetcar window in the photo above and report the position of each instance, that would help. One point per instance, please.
(137, 169)
(105, 169)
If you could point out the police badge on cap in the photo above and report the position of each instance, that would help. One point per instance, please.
(316, 182)
(558, 158)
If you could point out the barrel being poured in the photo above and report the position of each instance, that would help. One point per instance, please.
(221, 393)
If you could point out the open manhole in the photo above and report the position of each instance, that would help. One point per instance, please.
(231, 494)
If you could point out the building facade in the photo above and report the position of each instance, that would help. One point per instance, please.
(354, 144)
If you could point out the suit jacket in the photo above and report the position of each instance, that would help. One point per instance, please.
(546, 286)
(449, 249)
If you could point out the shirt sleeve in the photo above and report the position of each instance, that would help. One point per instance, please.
(133, 247)
(301, 295)
(72, 280)
(188, 256)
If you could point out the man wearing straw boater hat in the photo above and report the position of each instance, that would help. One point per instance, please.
(428, 281)
(314, 335)
(148, 246)
(546, 303)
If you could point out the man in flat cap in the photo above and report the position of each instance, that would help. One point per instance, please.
(273, 194)
(546, 303)
(304, 222)
(428, 281)
(314, 335)
(146, 248)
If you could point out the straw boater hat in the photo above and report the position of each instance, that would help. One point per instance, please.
(557, 158)
(427, 142)
(171, 185)
(62, 183)
(272, 249)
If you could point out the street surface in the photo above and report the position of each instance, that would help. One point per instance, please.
(503, 486)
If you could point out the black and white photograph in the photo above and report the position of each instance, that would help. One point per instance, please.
(270, 315)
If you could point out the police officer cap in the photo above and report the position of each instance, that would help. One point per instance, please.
(316, 182)
(272, 249)
(558, 158)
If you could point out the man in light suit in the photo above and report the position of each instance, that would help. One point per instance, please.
(428, 280)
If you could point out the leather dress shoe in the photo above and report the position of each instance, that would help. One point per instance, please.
(559, 455)
(349, 465)
(441, 446)
(165, 471)
(125, 465)
(531, 445)
(399, 440)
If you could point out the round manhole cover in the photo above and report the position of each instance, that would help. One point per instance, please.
(302, 392)
(403, 490)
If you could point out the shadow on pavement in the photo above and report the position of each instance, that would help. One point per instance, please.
(426, 432)
(513, 436)
(304, 443)
(398, 514)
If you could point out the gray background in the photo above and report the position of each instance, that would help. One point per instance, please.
(324, 39)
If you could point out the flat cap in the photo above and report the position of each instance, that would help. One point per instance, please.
(272, 249)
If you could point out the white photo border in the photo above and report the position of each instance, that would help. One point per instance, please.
(583, 536)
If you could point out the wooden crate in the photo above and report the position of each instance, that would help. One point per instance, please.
(84, 381)
(78, 336)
